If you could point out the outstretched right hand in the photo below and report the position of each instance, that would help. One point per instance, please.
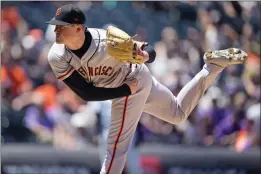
(132, 85)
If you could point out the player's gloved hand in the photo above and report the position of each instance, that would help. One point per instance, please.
(123, 47)
(133, 85)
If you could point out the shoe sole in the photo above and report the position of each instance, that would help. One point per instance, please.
(233, 55)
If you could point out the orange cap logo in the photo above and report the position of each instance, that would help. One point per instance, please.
(58, 11)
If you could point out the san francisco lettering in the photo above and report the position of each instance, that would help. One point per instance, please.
(96, 71)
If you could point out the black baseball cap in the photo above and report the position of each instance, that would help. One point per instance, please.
(68, 14)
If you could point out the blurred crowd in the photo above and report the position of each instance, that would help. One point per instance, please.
(37, 108)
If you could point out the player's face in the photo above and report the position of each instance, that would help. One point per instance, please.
(64, 34)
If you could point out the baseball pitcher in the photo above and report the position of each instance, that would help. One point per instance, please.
(100, 64)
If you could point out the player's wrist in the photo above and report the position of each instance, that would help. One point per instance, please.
(144, 54)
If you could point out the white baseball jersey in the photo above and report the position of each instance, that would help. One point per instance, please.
(96, 65)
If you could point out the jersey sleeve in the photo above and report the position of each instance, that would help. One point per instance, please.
(60, 67)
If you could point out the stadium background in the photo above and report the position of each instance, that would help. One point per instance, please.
(45, 127)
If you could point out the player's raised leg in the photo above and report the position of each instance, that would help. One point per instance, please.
(164, 105)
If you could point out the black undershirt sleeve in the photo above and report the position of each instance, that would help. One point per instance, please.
(152, 53)
(88, 92)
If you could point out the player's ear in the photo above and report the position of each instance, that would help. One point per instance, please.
(79, 28)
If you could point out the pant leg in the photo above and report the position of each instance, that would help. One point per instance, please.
(125, 116)
(164, 105)
(132, 156)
